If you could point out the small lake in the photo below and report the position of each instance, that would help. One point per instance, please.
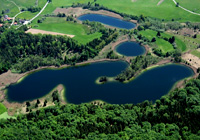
(111, 21)
(130, 49)
(81, 87)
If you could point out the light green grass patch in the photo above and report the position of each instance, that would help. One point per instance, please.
(167, 10)
(196, 53)
(192, 5)
(13, 10)
(59, 3)
(2, 108)
(164, 45)
(60, 25)
(6, 116)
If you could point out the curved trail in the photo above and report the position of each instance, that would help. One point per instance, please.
(37, 14)
(186, 9)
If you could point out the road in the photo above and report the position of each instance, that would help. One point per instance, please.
(186, 9)
(27, 22)
(14, 18)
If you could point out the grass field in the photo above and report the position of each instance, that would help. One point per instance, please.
(6, 116)
(4, 5)
(192, 5)
(59, 3)
(196, 53)
(59, 25)
(167, 10)
(165, 46)
(2, 108)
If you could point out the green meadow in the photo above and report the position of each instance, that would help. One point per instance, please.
(2, 108)
(4, 5)
(164, 45)
(60, 25)
(167, 10)
(192, 5)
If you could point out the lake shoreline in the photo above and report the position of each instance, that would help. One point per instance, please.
(20, 77)
(79, 11)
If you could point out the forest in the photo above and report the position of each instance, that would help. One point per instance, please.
(173, 116)
(137, 64)
(23, 52)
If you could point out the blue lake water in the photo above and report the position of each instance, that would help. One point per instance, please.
(111, 21)
(81, 87)
(130, 49)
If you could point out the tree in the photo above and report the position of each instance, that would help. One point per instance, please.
(158, 34)
(28, 104)
(38, 101)
(177, 4)
(153, 39)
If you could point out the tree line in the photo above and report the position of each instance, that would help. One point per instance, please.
(137, 64)
(24, 51)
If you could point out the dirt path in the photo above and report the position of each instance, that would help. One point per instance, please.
(160, 2)
(37, 31)
(186, 9)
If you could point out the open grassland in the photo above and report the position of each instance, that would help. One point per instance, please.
(191, 43)
(192, 5)
(59, 25)
(25, 3)
(164, 45)
(196, 53)
(28, 15)
(6, 116)
(6, 5)
(2, 108)
(59, 3)
(166, 10)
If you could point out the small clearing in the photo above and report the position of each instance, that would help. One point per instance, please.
(193, 60)
(161, 1)
(37, 31)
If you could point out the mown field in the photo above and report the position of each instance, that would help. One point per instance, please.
(2, 108)
(6, 5)
(164, 45)
(192, 5)
(167, 10)
(60, 25)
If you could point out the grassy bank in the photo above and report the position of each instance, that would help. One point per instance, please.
(2, 108)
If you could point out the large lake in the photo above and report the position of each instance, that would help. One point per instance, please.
(111, 21)
(130, 49)
(81, 87)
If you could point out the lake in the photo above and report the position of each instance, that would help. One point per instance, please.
(111, 21)
(81, 87)
(130, 48)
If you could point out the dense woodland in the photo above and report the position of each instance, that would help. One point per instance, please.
(174, 116)
(137, 64)
(23, 52)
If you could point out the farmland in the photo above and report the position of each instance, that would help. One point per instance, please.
(60, 25)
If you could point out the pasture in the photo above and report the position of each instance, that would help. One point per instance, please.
(192, 5)
(60, 25)
(164, 45)
(166, 10)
